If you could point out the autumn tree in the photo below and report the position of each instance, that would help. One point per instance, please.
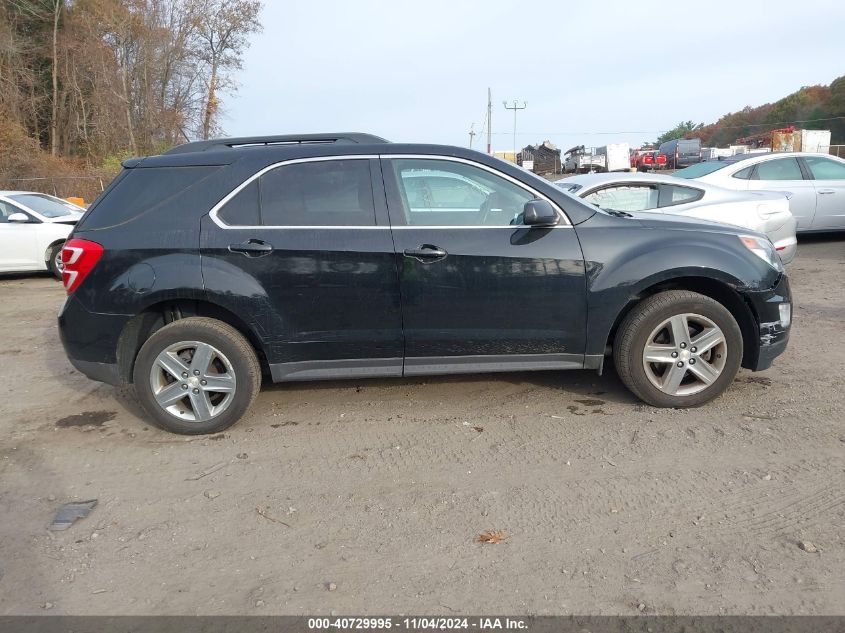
(96, 78)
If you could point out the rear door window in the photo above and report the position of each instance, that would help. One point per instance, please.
(243, 209)
(322, 193)
(314, 193)
(779, 169)
(625, 198)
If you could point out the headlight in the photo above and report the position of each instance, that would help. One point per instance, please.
(763, 249)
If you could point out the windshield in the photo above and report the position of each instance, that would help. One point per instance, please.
(45, 205)
(701, 169)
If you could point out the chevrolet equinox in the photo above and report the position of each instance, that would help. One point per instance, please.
(324, 256)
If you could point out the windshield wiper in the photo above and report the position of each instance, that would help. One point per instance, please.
(618, 214)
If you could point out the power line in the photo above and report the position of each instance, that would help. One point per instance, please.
(724, 127)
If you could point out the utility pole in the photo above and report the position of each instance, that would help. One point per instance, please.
(489, 122)
(472, 133)
(515, 108)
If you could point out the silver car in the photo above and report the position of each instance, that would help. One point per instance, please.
(815, 183)
(760, 211)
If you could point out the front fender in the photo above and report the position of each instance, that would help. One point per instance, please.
(623, 261)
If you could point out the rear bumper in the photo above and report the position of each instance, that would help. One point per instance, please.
(787, 249)
(90, 340)
(773, 332)
(780, 229)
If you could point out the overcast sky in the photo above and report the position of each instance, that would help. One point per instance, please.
(591, 72)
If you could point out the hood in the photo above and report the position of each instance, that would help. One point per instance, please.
(688, 223)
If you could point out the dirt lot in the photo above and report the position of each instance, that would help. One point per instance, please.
(367, 496)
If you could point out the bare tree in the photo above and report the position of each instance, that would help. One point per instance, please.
(57, 6)
(223, 29)
(98, 79)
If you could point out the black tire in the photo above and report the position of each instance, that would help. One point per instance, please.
(224, 338)
(641, 321)
(52, 262)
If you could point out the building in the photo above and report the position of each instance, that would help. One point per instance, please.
(543, 158)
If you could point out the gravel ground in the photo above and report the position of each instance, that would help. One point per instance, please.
(368, 496)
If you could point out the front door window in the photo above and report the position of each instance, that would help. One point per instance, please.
(446, 193)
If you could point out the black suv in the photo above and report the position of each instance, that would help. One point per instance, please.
(342, 255)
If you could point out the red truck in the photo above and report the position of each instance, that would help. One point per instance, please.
(647, 159)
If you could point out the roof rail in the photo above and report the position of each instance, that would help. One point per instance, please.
(285, 139)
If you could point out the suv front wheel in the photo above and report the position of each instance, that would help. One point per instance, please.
(678, 349)
(196, 375)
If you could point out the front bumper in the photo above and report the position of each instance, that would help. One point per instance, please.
(773, 332)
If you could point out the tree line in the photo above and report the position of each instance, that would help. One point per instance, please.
(92, 79)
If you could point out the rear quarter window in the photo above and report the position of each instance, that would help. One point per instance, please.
(744, 174)
(141, 190)
(671, 195)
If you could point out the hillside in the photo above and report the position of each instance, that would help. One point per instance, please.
(811, 107)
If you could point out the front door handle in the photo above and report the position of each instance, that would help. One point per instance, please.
(252, 248)
(426, 253)
(826, 191)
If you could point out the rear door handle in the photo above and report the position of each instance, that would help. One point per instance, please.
(826, 191)
(252, 248)
(426, 253)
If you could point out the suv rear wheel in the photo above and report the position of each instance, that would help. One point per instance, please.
(678, 349)
(196, 375)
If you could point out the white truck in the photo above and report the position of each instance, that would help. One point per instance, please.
(580, 160)
(617, 156)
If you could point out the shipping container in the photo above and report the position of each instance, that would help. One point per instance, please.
(815, 141)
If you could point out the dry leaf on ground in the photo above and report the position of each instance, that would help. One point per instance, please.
(492, 537)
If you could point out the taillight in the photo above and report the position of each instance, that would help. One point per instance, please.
(78, 259)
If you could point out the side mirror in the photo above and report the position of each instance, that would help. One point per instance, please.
(539, 213)
(19, 218)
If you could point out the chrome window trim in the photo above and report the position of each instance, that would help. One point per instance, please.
(213, 214)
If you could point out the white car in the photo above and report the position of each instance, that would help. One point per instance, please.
(33, 228)
(761, 211)
(815, 183)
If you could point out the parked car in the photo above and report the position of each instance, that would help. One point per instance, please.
(578, 160)
(756, 210)
(33, 228)
(815, 183)
(681, 152)
(309, 257)
(647, 160)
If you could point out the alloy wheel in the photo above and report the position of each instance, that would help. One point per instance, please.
(685, 354)
(193, 380)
